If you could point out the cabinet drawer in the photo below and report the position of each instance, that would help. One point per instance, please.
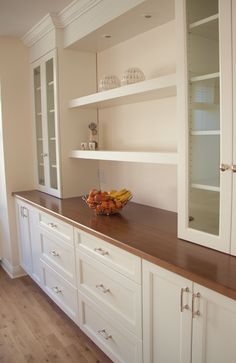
(59, 255)
(61, 291)
(113, 292)
(120, 345)
(122, 261)
(56, 226)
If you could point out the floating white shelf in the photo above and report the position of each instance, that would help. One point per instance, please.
(205, 133)
(205, 77)
(38, 88)
(206, 187)
(54, 166)
(160, 87)
(50, 83)
(209, 184)
(40, 139)
(52, 110)
(204, 106)
(207, 28)
(52, 138)
(129, 156)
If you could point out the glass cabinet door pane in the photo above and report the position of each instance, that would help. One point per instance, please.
(39, 126)
(204, 115)
(51, 124)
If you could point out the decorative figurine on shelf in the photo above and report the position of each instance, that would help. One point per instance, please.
(93, 136)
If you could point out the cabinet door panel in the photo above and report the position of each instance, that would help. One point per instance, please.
(24, 237)
(205, 106)
(166, 330)
(214, 330)
(233, 237)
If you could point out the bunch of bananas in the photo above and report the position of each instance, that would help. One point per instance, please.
(122, 195)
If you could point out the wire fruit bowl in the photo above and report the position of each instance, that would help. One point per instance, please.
(105, 203)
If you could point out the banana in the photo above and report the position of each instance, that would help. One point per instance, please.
(122, 195)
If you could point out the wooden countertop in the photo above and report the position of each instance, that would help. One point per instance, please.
(147, 232)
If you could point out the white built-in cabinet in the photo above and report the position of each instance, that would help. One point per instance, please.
(134, 310)
(23, 225)
(29, 245)
(185, 322)
(205, 106)
(46, 123)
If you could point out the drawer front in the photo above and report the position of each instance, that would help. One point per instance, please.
(61, 292)
(120, 345)
(111, 291)
(57, 227)
(122, 261)
(59, 255)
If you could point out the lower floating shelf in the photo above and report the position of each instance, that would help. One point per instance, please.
(129, 156)
(212, 184)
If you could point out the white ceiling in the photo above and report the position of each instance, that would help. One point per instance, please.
(18, 16)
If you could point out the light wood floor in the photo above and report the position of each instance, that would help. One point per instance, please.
(34, 329)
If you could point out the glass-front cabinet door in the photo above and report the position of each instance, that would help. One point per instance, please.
(46, 130)
(205, 175)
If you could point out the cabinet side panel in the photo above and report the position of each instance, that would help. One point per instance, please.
(77, 77)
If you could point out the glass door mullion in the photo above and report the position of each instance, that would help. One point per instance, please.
(45, 131)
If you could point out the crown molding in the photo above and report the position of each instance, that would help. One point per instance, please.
(43, 27)
(76, 9)
(53, 20)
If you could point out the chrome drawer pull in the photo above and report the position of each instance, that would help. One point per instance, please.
(182, 307)
(102, 288)
(101, 251)
(54, 253)
(104, 334)
(195, 312)
(56, 290)
(52, 225)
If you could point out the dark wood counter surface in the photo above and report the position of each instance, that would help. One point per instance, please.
(147, 232)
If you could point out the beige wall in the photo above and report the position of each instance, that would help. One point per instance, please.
(146, 126)
(16, 162)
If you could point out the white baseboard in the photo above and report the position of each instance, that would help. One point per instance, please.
(12, 271)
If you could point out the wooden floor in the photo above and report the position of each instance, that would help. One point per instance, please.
(34, 329)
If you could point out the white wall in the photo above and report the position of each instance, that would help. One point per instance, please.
(16, 161)
(147, 126)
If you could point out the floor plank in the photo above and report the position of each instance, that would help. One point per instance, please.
(34, 330)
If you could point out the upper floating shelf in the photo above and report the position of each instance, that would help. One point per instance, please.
(205, 77)
(128, 156)
(207, 28)
(160, 87)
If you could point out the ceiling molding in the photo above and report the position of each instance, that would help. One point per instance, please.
(53, 20)
(43, 27)
(76, 9)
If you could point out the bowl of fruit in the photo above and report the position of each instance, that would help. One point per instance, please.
(107, 203)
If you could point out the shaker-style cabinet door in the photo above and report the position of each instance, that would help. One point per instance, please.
(214, 327)
(167, 316)
(24, 237)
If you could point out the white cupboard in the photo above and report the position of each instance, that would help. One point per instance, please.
(28, 238)
(206, 121)
(184, 321)
(46, 123)
(214, 327)
(23, 225)
(166, 316)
